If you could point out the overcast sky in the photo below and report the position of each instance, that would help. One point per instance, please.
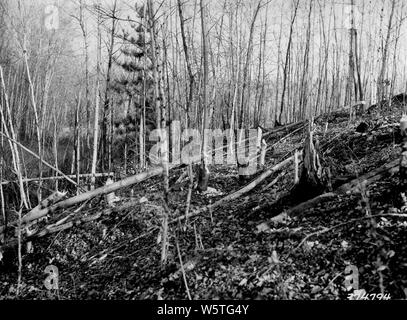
(367, 25)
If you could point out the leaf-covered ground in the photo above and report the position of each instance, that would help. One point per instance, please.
(235, 251)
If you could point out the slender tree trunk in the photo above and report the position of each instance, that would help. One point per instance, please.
(97, 101)
(381, 80)
(204, 170)
(105, 145)
(287, 60)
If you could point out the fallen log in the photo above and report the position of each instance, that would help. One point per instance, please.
(31, 216)
(285, 128)
(53, 198)
(86, 175)
(370, 177)
(228, 198)
(127, 182)
(299, 209)
(80, 220)
(240, 192)
(49, 201)
(272, 183)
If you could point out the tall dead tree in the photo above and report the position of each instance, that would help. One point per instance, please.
(161, 124)
(8, 128)
(191, 77)
(36, 117)
(204, 170)
(381, 82)
(82, 24)
(354, 89)
(243, 107)
(305, 74)
(97, 102)
(105, 139)
(287, 60)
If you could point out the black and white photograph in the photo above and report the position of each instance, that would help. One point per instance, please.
(203, 150)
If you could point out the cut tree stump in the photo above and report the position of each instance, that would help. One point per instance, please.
(370, 177)
(240, 192)
(311, 181)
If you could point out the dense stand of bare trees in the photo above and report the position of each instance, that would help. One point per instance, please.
(85, 93)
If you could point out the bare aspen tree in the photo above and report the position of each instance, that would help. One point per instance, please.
(323, 70)
(263, 63)
(77, 142)
(236, 71)
(106, 123)
(204, 170)
(55, 142)
(160, 124)
(395, 56)
(36, 117)
(353, 86)
(403, 155)
(159, 107)
(84, 30)
(358, 84)
(304, 78)
(3, 204)
(190, 95)
(142, 129)
(10, 133)
(278, 65)
(97, 101)
(249, 51)
(287, 60)
(381, 83)
(350, 93)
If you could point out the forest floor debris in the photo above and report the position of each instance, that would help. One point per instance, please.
(243, 253)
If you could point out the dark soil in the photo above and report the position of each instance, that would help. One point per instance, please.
(225, 253)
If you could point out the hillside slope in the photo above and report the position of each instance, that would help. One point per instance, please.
(238, 251)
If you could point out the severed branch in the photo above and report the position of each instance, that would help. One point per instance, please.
(299, 209)
(272, 183)
(352, 186)
(183, 271)
(285, 128)
(240, 192)
(87, 175)
(372, 176)
(53, 198)
(33, 215)
(80, 220)
(57, 227)
(36, 214)
(226, 199)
